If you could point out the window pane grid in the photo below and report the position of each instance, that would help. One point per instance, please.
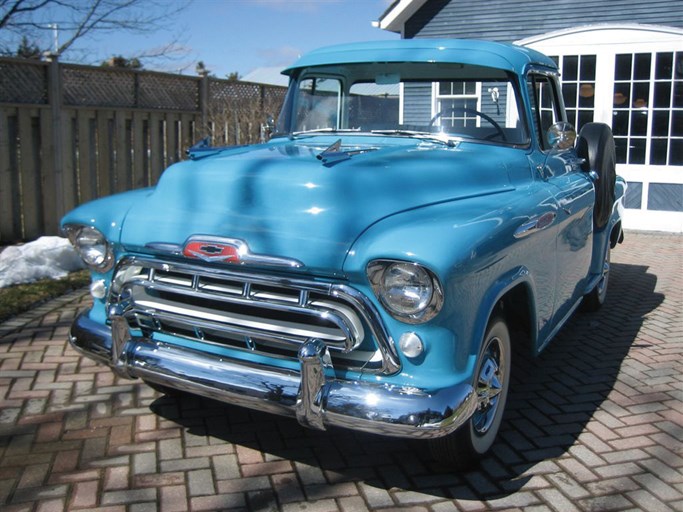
(455, 116)
(578, 87)
(647, 111)
(452, 99)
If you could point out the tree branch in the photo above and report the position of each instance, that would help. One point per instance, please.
(16, 9)
(32, 18)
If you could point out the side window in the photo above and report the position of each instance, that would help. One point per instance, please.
(545, 105)
(318, 104)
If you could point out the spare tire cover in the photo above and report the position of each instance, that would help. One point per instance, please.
(595, 145)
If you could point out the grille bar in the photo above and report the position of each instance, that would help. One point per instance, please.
(237, 321)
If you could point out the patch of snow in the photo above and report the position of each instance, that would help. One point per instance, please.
(48, 257)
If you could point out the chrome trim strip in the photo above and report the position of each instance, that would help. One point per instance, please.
(535, 224)
(370, 406)
(385, 343)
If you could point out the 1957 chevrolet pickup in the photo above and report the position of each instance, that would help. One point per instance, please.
(421, 207)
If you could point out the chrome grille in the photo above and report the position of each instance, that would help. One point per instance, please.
(261, 314)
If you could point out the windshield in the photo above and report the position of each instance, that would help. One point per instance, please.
(449, 101)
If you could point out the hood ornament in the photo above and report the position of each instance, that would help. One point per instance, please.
(215, 249)
(335, 154)
(212, 250)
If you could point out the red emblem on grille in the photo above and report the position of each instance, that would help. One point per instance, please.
(211, 251)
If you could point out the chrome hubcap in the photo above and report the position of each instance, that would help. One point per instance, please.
(489, 387)
(605, 273)
(602, 285)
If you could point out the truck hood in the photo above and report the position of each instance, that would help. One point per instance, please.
(284, 201)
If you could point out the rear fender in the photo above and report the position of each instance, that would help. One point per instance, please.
(610, 235)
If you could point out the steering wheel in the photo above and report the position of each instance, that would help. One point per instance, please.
(499, 130)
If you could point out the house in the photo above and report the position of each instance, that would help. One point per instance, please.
(621, 63)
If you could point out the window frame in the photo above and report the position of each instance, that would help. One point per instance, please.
(339, 97)
(536, 106)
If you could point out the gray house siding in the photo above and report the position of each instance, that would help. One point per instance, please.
(511, 20)
(418, 100)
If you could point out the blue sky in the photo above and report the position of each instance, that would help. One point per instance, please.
(240, 35)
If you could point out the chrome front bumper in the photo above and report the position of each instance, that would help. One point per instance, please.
(313, 395)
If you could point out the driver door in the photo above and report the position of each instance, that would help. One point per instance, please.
(574, 197)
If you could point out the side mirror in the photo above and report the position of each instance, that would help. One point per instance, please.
(561, 136)
(267, 128)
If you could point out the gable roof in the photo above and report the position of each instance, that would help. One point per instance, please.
(267, 75)
(396, 15)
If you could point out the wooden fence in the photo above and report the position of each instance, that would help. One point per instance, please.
(70, 134)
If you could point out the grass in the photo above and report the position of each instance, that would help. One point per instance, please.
(22, 297)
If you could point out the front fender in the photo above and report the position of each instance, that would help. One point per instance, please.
(106, 214)
(473, 246)
(470, 255)
(512, 279)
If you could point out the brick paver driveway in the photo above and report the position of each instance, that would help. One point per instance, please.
(595, 423)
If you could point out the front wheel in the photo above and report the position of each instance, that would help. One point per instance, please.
(472, 441)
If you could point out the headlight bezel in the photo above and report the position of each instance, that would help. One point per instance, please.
(92, 246)
(426, 305)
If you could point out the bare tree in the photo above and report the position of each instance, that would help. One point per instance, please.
(38, 20)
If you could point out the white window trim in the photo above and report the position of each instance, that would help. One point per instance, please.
(436, 97)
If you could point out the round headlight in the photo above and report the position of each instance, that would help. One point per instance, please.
(406, 288)
(92, 247)
(409, 291)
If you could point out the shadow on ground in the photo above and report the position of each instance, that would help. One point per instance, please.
(552, 399)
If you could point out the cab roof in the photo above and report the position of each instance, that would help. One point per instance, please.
(504, 56)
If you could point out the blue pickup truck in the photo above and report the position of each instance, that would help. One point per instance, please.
(421, 208)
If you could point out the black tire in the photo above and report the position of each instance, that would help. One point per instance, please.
(594, 300)
(466, 446)
(595, 145)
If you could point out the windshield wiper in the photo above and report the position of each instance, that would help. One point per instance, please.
(418, 135)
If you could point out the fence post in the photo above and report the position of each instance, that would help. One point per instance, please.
(204, 100)
(54, 98)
